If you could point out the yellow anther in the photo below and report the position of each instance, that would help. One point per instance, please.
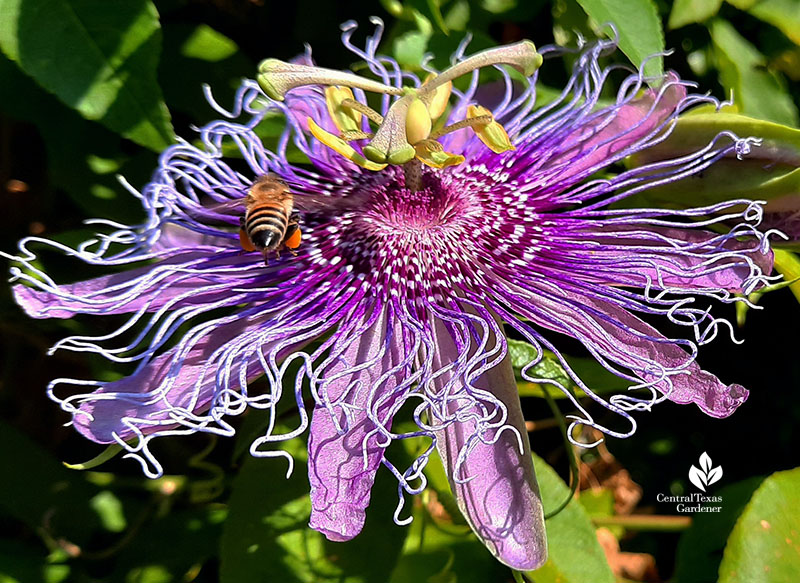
(418, 122)
(492, 133)
(438, 99)
(431, 153)
(345, 118)
(339, 146)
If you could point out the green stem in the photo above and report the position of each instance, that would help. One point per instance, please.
(412, 170)
(649, 523)
(573, 463)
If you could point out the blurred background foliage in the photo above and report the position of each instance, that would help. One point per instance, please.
(93, 89)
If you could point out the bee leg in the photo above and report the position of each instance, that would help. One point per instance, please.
(292, 238)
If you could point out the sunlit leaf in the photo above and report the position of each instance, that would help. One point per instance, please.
(742, 68)
(194, 55)
(109, 509)
(457, 17)
(762, 547)
(638, 26)
(74, 147)
(782, 14)
(690, 11)
(769, 171)
(700, 547)
(574, 555)
(742, 4)
(498, 6)
(207, 44)
(788, 265)
(409, 48)
(99, 58)
(267, 537)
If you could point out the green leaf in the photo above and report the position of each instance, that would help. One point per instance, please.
(98, 57)
(756, 90)
(690, 11)
(638, 26)
(409, 48)
(782, 14)
(109, 509)
(498, 6)
(700, 547)
(592, 373)
(780, 143)
(21, 563)
(769, 172)
(763, 546)
(574, 555)
(196, 55)
(206, 44)
(457, 18)
(443, 549)
(742, 4)
(435, 555)
(267, 537)
(788, 265)
(84, 158)
(167, 548)
(569, 21)
(42, 493)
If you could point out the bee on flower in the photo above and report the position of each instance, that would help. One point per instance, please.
(474, 219)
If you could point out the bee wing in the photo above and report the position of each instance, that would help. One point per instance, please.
(320, 203)
(219, 213)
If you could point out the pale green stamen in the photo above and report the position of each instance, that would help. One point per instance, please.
(404, 133)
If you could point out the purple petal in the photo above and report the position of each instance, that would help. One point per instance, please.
(341, 468)
(689, 259)
(615, 334)
(580, 149)
(191, 275)
(123, 292)
(598, 141)
(501, 498)
(172, 386)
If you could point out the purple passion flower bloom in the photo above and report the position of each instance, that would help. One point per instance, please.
(404, 300)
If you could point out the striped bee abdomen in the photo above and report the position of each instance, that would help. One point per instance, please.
(266, 226)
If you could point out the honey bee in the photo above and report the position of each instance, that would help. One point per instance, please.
(269, 223)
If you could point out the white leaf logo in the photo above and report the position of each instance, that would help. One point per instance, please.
(706, 475)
